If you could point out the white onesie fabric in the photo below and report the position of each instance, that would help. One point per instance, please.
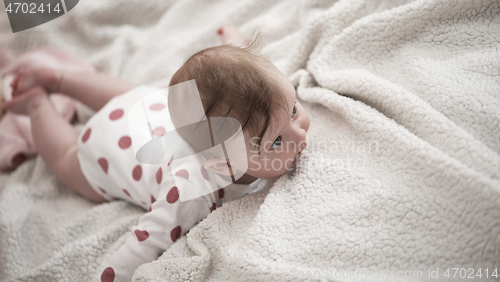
(109, 164)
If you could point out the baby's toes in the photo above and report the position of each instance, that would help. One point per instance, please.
(14, 83)
(23, 82)
(19, 104)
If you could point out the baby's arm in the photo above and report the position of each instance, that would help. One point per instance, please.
(156, 232)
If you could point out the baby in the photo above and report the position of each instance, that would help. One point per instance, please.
(100, 165)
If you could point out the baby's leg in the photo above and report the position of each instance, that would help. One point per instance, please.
(92, 89)
(56, 142)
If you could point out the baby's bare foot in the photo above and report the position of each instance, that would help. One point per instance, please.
(29, 78)
(231, 35)
(20, 103)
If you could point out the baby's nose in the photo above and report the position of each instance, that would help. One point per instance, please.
(303, 143)
(305, 122)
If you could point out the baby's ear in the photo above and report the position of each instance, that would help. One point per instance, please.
(217, 165)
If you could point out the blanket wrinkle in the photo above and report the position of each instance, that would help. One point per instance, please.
(401, 171)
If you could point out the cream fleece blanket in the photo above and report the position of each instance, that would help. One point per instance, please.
(401, 176)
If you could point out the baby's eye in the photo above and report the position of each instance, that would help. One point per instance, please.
(294, 111)
(276, 143)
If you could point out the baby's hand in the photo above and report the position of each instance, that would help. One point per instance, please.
(231, 35)
(29, 78)
(19, 104)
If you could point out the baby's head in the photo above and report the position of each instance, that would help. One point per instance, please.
(237, 82)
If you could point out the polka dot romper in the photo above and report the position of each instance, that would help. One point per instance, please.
(109, 164)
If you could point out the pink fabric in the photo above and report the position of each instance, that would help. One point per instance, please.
(16, 141)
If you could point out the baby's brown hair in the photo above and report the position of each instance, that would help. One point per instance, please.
(232, 82)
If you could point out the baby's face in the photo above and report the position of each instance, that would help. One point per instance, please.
(285, 138)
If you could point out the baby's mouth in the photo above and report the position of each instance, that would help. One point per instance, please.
(297, 157)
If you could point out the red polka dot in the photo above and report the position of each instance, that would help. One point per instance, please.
(142, 202)
(102, 190)
(159, 131)
(86, 135)
(213, 207)
(137, 172)
(104, 164)
(116, 114)
(141, 235)
(159, 175)
(171, 159)
(183, 173)
(153, 199)
(175, 233)
(204, 173)
(126, 192)
(108, 275)
(221, 193)
(157, 107)
(150, 207)
(125, 142)
(173, 195)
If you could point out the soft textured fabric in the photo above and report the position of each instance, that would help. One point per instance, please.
(401, 171)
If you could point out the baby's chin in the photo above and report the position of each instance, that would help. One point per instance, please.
(271, 173)
(265, 174)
